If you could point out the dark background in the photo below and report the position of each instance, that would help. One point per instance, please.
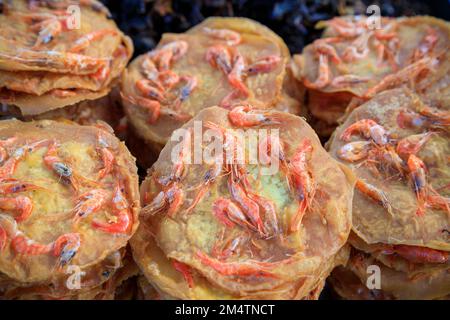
(293, 20)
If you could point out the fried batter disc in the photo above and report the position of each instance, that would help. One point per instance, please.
(221, 61)
(393, 212)
(283, 254)
(355, 60)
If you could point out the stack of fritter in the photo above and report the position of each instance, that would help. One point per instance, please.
(58, 58)
(229, 226)
(221, 61)
(399, 149)
(357, 57)
(69, 204)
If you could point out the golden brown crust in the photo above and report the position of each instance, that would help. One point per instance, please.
(401, 224)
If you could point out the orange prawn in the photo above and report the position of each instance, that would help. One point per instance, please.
(84, 42)
(416, 254)
(238, 269)
(354, 151)
(219, 57)
(21, 204)
(235, 77)
(412, 144)
(231, 38)
(373, 193)
(324, 74)
(265, 64)
(369, 129)
(90, 202)
(106, 155)
(246, 116)
(3, 144)
(249, 207)
(121, 212)
(417, 171)
(229, 214)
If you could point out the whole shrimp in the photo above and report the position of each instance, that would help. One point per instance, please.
(232, 246)
(57, 165)
(345, 28)
(412, 144)
(185, 270)
(169, 199)
(412, 119)
(271, 225)
(21, 204)
(61, 61)
(235, 77)
(181, 157)
(106, 155)
(249, 207)
(354, 151)
(438, 116)
(210, 177)
(348, 80)
(9, 186)
(263, 65)
(238, 269)
(147, 89)
(90, 202)
(427, 44)
(323, 47)
(324, 74)
(409, 72)
(9, 166)
(153, 107)
(3, 145)
(417, 254)
(375, 194)
(64, 247)
(368, 129)
(84, 42)
(48, 30)
(169, 53)
(246, 116)
(219, 57)
(229, 214)
(231, 38)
